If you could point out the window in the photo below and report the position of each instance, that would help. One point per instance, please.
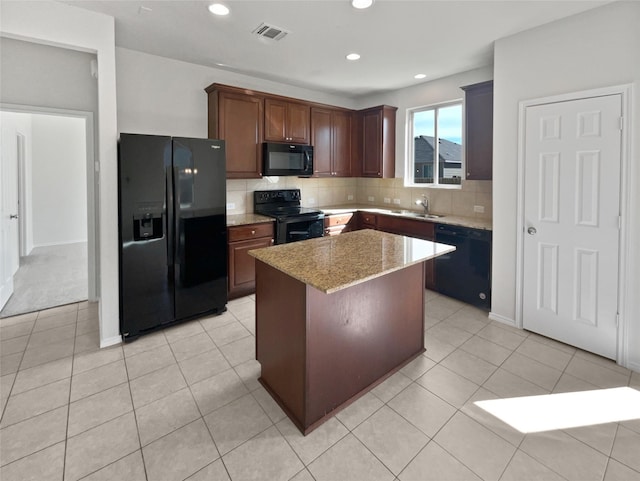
(426, 124)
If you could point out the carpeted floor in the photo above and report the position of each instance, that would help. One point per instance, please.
(49, 276)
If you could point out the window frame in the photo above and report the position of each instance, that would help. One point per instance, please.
(409, 180)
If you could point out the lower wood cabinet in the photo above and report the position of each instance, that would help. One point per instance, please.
(242, 270)
(412, 228)
(335, 224)
(367, 220)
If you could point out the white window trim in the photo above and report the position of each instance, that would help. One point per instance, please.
(410, 145)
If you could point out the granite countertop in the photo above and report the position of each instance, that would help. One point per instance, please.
(473, 222)
(244, 219)
(332, 263)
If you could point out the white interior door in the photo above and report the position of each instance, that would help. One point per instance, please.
(9, 255)
(572, 209)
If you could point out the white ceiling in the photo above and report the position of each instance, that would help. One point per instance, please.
(396, 39)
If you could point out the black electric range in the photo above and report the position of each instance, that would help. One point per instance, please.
(293, 222)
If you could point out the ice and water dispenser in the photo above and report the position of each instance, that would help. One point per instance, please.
(147, 226)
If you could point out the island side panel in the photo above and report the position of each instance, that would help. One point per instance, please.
(359, 334)
(280, 337)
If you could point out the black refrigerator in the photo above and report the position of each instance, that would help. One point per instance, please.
(172, 229)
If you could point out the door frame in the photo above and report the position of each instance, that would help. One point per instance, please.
(626, 92)
(93, 247)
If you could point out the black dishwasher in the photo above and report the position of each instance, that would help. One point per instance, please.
(465, 273)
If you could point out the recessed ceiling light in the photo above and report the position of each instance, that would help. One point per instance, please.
(419, 76)
(353, 56)
(361, 3)
(218, 9)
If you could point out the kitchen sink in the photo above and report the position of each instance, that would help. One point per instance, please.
(426, 216)
(416, 214)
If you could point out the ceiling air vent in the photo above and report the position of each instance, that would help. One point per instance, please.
(270, 31)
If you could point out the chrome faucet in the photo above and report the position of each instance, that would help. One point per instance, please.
(424, 202)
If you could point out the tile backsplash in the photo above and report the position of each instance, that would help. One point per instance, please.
(385, 193)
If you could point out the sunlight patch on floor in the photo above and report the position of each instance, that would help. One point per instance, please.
(532, 414)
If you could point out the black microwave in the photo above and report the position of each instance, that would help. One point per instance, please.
(287, 159)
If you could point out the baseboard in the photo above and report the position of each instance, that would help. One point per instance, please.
(112, 341)
(634, 366)
(504, 320)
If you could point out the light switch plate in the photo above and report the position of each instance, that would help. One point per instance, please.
(386, 200)
(230, 206)
(396, 201)
(478, 208)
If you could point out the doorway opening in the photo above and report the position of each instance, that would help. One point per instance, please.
(54, 240)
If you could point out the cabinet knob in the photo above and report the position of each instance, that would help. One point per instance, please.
(253, 232)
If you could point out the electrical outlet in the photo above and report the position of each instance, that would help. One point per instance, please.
(396, 201)
(231, 206)
(371, 198)
(350, 197)
(386, 200)
(311, 201)
(478, 208)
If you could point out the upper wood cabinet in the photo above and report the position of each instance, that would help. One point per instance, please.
(237, 118)
(286, 121)
(346, 143)
(478, 109)
(331, 140)
(378, 136)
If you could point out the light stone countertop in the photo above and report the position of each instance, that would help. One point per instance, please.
(332, 263)
(244, 219)
(472, 222)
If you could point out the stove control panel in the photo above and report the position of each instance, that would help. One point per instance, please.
(276, 196)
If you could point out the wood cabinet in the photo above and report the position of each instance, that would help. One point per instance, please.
(367, 220)
(346, 143)
(478, 108)
(331, 139)
(338, 223)
(242, 239)
(237, 118)
(378, 141)
(413, 228)
(286, 121)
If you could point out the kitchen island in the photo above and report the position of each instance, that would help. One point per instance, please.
(335, 316)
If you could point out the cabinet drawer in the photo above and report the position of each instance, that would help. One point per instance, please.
(369, 221)
(335, 230)
(337, 219)
(250, 231)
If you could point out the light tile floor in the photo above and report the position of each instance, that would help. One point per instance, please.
(184, 403)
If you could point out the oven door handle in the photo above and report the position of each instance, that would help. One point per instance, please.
(301, 218)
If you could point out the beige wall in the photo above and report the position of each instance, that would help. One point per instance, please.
(329, 192)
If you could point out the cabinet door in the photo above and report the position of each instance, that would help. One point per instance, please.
(242, 267)
(479, 131)
(341, 130)
(321, 141)
(298, 123)
(240, 125)
(275, 120)
(286, 121)
(372, 144)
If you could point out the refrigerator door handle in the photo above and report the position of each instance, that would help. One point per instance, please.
(170, 216)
